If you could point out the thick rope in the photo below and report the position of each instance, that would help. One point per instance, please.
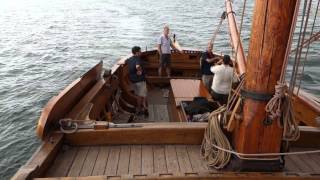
(273, 108)
(214, 136)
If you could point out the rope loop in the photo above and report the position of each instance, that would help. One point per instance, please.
(273, 108)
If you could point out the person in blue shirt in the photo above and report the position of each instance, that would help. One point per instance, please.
(206, 61)
(138, 80)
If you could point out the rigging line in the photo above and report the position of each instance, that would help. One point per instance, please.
(313, 37)
(289, 44)
(306, 55)
(236, 53)
(304, 25)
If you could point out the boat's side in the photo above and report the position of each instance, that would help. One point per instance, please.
(61, 104)
(151, 133)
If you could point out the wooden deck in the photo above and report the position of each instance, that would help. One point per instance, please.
(146, 160)
(157, 106)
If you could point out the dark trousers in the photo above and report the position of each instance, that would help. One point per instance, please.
(221, 98)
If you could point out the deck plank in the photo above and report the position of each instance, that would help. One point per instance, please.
(183, 158)
(164, 113)
(78, 161)
(123, 166)
(151, 112)
(147, 159)
(314, 161)
(161, 113)
(101, 161)
(290, 165)
(62, 163)
(171, 159)
(198, 165)
(159, 159)
(308, 161)
(113, 160)
(301, 163)
(89, 162)
(135, 160)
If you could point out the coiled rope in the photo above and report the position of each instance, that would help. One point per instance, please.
(214, 137)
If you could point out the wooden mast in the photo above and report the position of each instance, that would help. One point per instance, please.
(270, 33)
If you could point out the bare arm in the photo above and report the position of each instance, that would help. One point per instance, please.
(159, 49)
(213, 60)
(176, 47)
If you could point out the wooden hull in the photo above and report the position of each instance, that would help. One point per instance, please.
(177, 137)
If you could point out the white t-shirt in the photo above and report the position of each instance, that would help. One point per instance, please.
(223, 75)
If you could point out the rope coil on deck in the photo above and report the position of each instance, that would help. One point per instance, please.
(214, 137)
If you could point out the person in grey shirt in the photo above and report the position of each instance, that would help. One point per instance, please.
(164, 43)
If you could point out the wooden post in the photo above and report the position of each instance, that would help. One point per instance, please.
(270, 33)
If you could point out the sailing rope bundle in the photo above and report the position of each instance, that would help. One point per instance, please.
(213, 137)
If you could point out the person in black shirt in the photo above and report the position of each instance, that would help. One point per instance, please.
(206, 61)
(137, 77)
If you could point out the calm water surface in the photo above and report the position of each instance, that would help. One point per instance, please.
(45, 45)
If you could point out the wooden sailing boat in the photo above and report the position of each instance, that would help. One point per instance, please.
(166, 145)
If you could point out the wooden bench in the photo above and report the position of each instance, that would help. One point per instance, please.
(184, 90)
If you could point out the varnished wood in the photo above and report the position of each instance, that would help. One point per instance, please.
(235, 39)
(187, 88)
(306, 109)
(60, 105)
(270, 33)
(153, 133)
(85, 100)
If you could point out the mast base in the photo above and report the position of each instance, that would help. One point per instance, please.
(237, 164)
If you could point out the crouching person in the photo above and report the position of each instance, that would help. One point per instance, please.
(138, 80)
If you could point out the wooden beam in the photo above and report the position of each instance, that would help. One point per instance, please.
(155, 133)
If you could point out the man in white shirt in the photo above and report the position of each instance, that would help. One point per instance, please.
(164, 43)
(222, 80)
